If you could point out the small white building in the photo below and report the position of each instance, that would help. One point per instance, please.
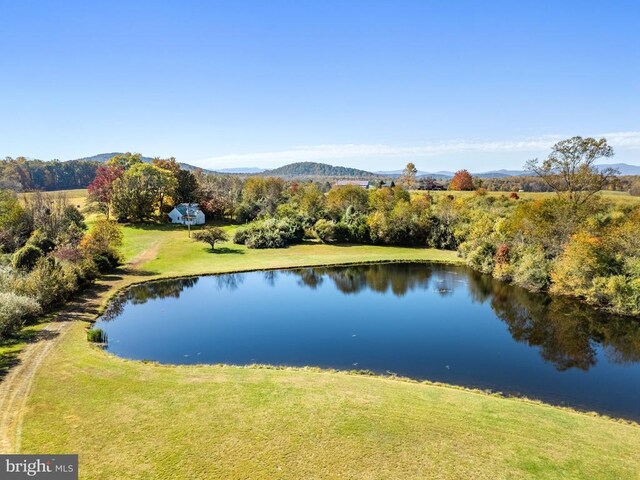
(187, 214)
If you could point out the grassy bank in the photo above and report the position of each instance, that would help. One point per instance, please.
(134, 420)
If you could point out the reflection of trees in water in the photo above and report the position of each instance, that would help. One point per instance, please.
(565, 330)
(161, 289)
(141, 293)
(309, 277)
(228, 281)
(270, 277)
(397, 278)
(620, 339)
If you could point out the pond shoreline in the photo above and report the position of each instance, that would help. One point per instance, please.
(491, 387)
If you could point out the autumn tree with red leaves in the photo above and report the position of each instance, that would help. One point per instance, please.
(462, 180)
(101, 189)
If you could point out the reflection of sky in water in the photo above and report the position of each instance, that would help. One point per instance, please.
(440, 323)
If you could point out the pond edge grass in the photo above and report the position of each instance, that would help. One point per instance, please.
(112, 294)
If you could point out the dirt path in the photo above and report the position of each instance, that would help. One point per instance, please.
(147, 255)
(16, 385)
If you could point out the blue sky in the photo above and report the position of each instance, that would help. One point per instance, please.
(445, 84)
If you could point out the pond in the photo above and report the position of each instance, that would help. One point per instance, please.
(435, 322)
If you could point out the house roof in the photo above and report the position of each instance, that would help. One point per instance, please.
(193, 208)
(360, 183)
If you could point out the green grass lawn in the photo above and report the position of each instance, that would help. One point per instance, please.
(172, 253)
(130, 420)
(133, 420)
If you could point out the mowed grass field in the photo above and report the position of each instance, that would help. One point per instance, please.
(135, 420)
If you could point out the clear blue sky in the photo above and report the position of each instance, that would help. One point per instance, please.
(445, 84)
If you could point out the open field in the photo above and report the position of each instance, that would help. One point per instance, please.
(621, 197)
(77, 197)
(131, 419)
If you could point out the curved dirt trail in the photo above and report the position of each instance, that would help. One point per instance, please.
(15, 387)
(16, 384)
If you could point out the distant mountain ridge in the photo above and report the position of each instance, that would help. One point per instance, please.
(311, 169)
(302, 169)
(623, 168)
(105, 157)
(240, 170)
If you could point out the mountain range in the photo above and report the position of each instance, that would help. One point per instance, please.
(302, 169)
(623, 168)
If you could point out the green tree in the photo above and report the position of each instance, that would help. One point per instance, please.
(211, 235)
(125, 160)
(15, 222)
(186, 187)
(140, 190)
(342, 197)
(385, 199)
(265, 193)
(570, 168)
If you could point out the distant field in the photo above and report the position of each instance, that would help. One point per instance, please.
(622, 197)
(77, 197)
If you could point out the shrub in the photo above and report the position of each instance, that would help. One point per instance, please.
(15, 310)
(329, 231)
(40, 239)
(619, 293)
(240, 236)
(514, 196)
(103, 263)
(502, 254)
(480, 192)
(270, 233)
(481, 258)
(247, 211)
(96, 335)
(86, 271)
(441, 235)
(356, 229)
(532, 270)
(102, 243)
(265, 238)
(27, 257)
(50, 282)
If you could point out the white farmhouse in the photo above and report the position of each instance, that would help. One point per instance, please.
(187, 214)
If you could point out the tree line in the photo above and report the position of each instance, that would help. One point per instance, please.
(21, 174)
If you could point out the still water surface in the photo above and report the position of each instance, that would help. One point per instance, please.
(434, 322)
